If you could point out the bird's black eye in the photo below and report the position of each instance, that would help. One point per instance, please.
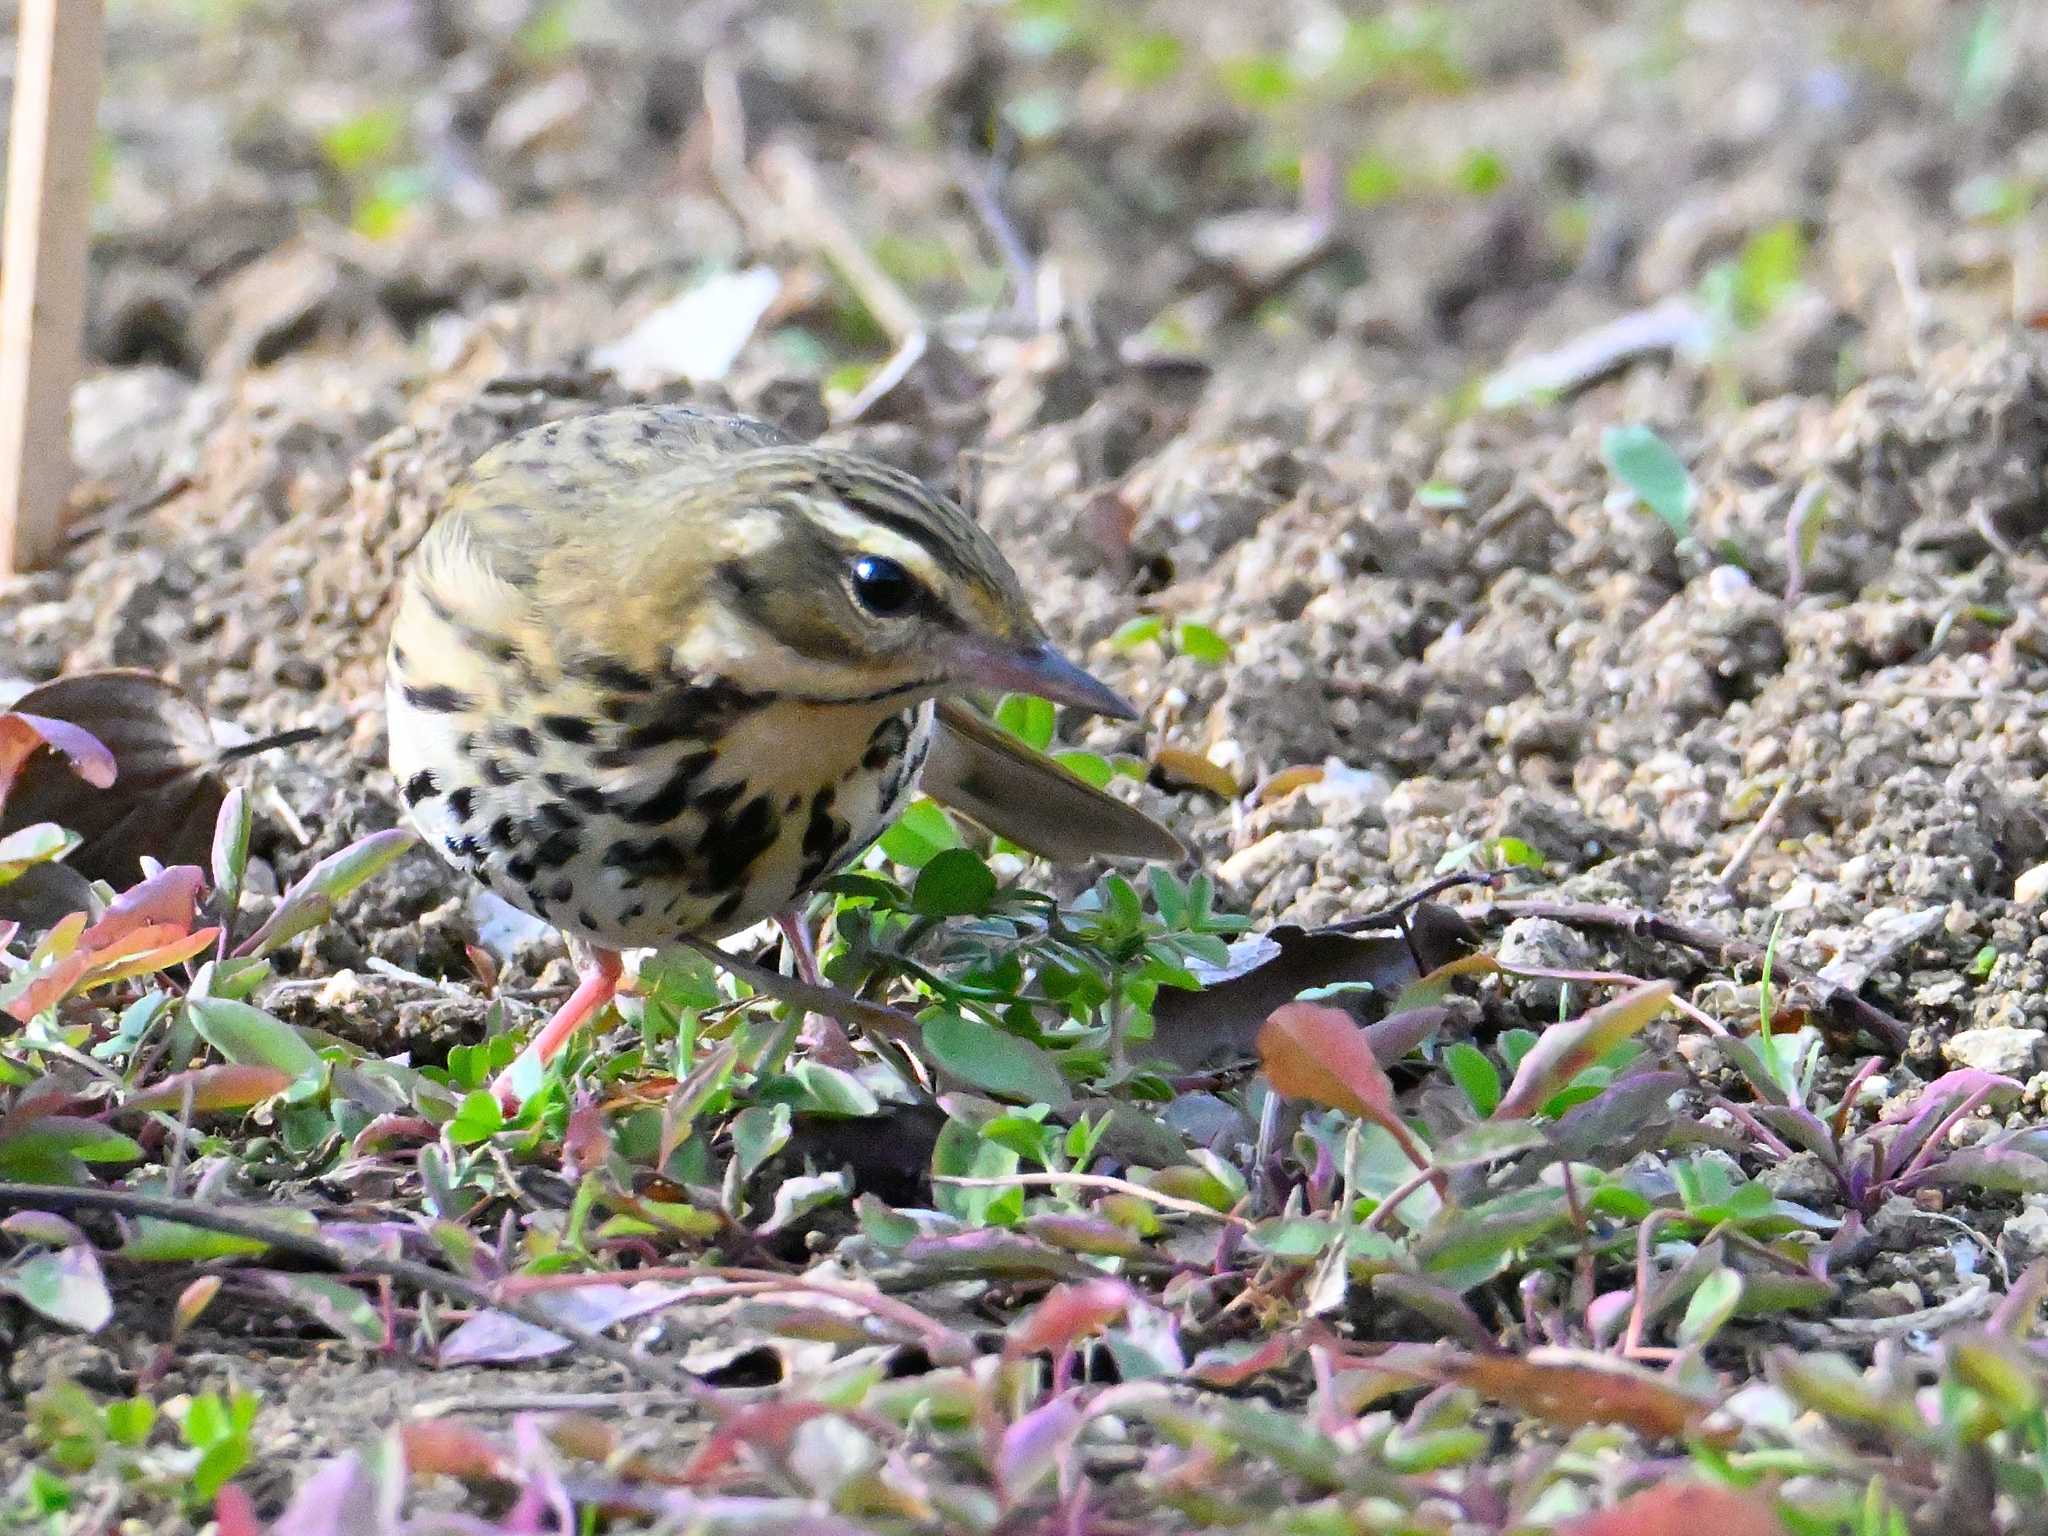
(883, 587)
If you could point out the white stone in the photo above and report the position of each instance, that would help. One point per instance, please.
(2000, 1048)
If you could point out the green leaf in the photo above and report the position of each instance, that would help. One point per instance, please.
(953, 883)
(1487, 1142)
(834, 1092)
(1565, 1050)
(1481, 172)
(160, 1241)
(250, 1037)
(1441, 496)
(231, 849)
(962, 1153)
(758, 1133)
(221, 1461)
(1202, 643)
(68, 1136)
(368, 139)
(479, 1118)
(1147, 59)
(1133, 633)
(314, 895)
(65, 1286)
(1373, 179)
(333, 1303)
(1027, 717)
(985, 1057)
(1713, 1302)
(1768, 272)
(1646, 464)
(38, 844)
(206, 1421)
(129, 1420)
(1090, 767)
(1258, 80)
(921, 832)
(1474, 1075)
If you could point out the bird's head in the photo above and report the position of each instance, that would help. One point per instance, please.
(838, 578)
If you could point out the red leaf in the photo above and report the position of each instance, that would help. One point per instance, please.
(1571, 1389)
(450, 1448)
(212, 1088)
(1565, 1050)
(769, 1425)
(1068, 1314)
(1320, 1054)
(168, 897)
(1680, 1509)
(53, 985)
(1227, 1365)
(585, 1142)
(234, 1512)
(156, 957)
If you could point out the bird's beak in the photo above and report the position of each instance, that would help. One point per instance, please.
(1035, 667)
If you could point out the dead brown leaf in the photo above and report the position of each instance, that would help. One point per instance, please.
(168, 791)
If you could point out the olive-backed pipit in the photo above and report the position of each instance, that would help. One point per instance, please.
(655, 673)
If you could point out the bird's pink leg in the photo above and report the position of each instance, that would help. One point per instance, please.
(823, 1039)
(597, 982)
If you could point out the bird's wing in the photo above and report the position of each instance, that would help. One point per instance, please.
(984, 772)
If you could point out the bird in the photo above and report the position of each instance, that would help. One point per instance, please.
(655, 672)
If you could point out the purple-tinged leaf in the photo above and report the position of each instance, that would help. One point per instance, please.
(65, 1285)
(1439, 1305)
(1681, 1507)
(313, 896)
(1034, 1447)
(1947, 1090)
(1079, 1233)
(1801, 1127)
(495, 1338)
(2006, 1170)
(343, 1498)
(1231, 1365)
(21, 736)
(42, 1227)
(1397, 1034)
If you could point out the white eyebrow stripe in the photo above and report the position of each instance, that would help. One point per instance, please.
(873, 538)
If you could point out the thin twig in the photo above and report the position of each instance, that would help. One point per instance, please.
(813, 220)
(981, 182)
(210, 1218)
(1757, 834)
(1839, 1002)
(1096, 1181)
(1386, 917)
(1795, 537)
(892, 1023)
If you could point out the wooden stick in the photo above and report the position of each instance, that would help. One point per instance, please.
(43, 268)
